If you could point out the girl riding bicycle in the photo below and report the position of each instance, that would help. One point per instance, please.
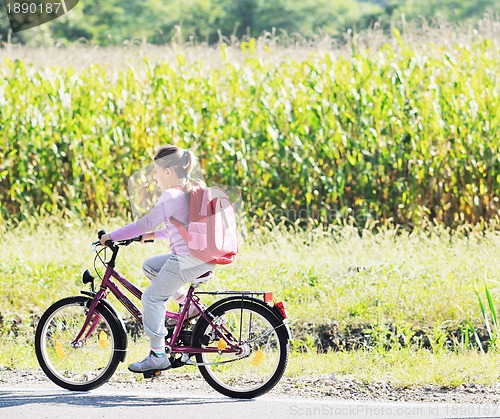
(168, 272)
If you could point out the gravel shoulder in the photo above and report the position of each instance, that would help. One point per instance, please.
(324, 387)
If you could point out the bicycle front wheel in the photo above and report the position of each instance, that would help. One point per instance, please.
(263, 339)
(82, 365)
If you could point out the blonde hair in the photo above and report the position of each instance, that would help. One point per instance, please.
(181, 161)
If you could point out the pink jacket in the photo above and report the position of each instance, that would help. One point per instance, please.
(173, 202)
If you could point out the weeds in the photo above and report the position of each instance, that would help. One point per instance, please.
(395, 302)
(491, 326)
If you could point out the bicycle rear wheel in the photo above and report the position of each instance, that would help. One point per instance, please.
(83, 365)
(264, 340)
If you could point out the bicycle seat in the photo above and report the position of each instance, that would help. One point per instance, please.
(203, 278)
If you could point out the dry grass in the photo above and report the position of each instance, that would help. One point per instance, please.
(426, 277)
(270, 47)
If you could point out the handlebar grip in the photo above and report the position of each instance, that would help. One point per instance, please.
(139, 238)
(108, 243)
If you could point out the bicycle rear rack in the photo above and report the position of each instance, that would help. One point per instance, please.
(266, 295)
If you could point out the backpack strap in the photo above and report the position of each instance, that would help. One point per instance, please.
(181, 228)
(207, 196)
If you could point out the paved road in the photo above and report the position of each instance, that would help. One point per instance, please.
(47, 402)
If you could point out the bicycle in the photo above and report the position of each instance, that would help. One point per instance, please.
(240, 343)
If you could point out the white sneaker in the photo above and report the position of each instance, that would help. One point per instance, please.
(152, 362)
(191, 314)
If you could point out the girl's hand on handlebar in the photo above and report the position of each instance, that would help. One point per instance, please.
(147, 238)
(105, 238)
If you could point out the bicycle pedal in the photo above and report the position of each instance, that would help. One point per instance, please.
(152, 374)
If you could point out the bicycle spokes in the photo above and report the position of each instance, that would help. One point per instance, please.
(75, 363)
(254, 356)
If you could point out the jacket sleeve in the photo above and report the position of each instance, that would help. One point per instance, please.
(160, 213)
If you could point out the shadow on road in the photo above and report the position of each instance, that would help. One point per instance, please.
(73, 399)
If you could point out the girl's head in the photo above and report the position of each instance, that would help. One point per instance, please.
(173, 167)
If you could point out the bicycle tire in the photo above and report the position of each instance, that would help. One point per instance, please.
(235, 384)
(67, 366)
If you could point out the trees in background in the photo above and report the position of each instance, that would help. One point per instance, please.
(159, 21)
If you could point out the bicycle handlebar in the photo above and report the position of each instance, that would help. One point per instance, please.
(111, 243)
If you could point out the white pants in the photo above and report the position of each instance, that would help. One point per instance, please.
(168, 273)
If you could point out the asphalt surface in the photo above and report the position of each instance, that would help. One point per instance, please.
(52, 402)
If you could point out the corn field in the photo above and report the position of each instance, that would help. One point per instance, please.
(401, 132)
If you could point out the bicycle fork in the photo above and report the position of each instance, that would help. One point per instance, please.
(91, 321)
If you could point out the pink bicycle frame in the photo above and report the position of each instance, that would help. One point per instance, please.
(92, 320)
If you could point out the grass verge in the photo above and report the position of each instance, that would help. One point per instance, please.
(425, 279)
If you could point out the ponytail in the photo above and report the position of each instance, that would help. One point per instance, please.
(180, 160)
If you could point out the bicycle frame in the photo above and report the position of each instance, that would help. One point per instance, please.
(108, 285)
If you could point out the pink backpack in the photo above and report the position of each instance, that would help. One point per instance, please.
(211, 234)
